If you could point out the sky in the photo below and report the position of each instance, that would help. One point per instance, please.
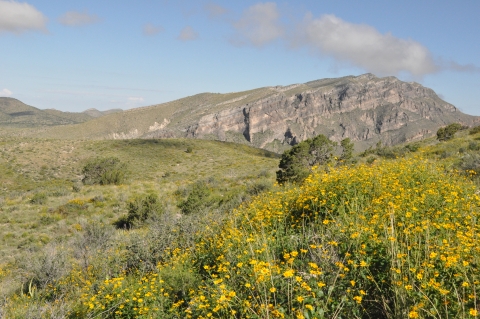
(75, 55)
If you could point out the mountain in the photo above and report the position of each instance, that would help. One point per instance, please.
(365, 108)
(96, 113)
(15, 113)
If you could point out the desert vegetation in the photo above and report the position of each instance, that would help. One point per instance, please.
(202, 229)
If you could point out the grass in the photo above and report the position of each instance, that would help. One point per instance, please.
(393, 236)
(40, 183)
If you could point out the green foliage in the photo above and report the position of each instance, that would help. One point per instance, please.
(199, 197)
(296, 163)
(104, 171)
(474, 130)
(39, 198)
(347, 150)
(140, 210)
(259, 187)
(413, 147)
(446, 133)
(473, 146)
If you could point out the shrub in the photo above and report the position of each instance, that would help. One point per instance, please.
(295, 163)
(104, 171)
(259, 187)
(39, 198)
(447, 132)
(412, 147)
(347, 150)
(140, 210)
(93, 237)
(197, 199)
(45, 267)
(473, 146)
(474, 130)
(470, 164)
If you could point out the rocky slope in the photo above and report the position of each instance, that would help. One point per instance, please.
(365, 108)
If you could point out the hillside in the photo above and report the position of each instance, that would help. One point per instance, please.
(394, 235)
(19, 119)
(14, 113)
(365, 108)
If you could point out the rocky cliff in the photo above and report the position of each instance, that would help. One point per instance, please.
(365, 108)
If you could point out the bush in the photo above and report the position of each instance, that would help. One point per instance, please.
(470, 164)
(104, 171)
(412, 147)
(446, 133)
(474, 130)
(473, 146)
(259, 187)
(139, 211)
(45, 267)
(197, 199)
(39, 198)
(295, 163)
(347, 150)
(94, 237)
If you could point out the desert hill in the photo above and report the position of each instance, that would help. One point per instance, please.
(16, 114)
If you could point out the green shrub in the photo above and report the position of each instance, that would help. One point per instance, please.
(446, 133)
(296, 163)
(139, 211)
(39, 198)
(474, 130)
(104, 171)
(259, 187)
(197, 199)
(473, 146)
(347, 150)
(412, 147)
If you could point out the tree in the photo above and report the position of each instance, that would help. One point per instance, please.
(447, 132)
(296, 163)
(347, 149)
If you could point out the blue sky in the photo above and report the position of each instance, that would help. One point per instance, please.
(75, 55)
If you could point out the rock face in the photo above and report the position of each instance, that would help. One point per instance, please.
(365, 108)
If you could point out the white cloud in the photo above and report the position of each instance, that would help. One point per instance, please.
(214, 10)
(363, 46)
(136, 99)
(258, 25)
(6, 92)
(188, 34)
(454, 66)
(76, 18)
(19, 17)
(150, 29)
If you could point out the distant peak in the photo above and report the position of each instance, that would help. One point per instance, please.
(368, 76)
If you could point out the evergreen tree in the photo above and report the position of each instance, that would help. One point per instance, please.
(296, 163)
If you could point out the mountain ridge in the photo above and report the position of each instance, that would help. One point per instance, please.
(365, 108)
(15, 113)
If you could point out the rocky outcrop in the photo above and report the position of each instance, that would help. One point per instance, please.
(366, 109)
